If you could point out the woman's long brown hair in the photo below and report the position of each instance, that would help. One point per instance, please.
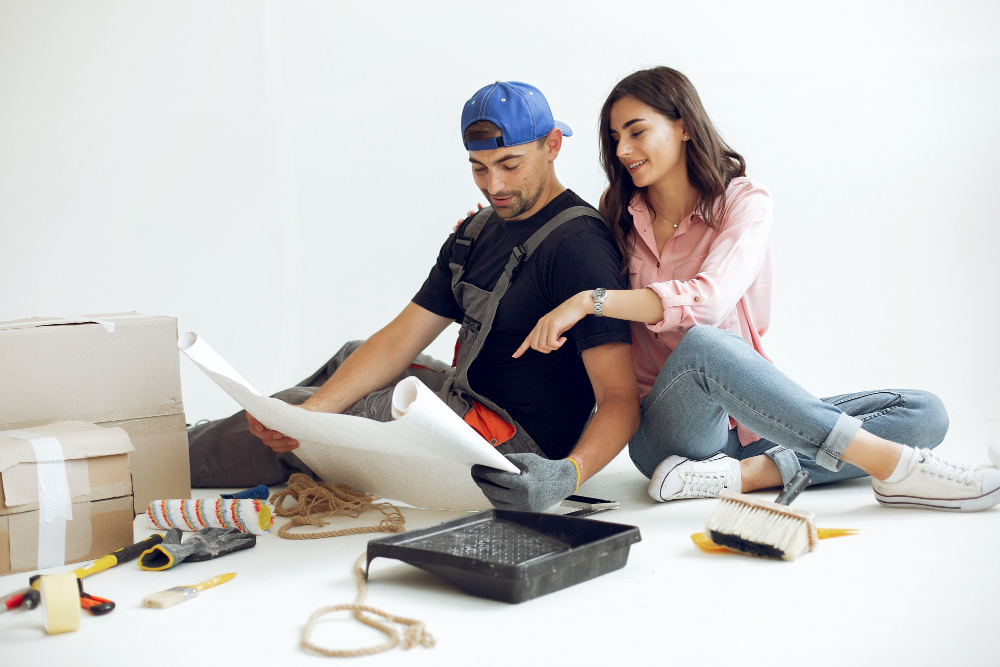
(711, 163)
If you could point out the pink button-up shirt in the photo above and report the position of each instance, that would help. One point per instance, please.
(721, 278)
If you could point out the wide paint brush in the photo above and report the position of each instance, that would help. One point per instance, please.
(762, 528)
(178, 594)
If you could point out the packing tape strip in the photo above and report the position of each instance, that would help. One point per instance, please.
(60, 602)
(108, 325)
(55, 505)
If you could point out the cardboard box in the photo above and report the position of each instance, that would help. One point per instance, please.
(85, 491)
(115, 370)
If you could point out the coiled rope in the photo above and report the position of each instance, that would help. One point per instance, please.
(317, 501)
(414, 635)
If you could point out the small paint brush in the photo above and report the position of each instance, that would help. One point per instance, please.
(178, 594)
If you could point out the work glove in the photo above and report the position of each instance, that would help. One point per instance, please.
(206, 544)
(542, 484)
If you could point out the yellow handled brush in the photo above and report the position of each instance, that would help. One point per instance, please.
(178, 594)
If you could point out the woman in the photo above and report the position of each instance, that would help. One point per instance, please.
(695, 234)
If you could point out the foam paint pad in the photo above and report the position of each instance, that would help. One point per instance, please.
(60, 602)
(249, 516)
(422, 457)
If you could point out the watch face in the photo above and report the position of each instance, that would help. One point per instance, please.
(600, 293)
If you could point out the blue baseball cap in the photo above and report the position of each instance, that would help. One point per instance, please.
(519, 110)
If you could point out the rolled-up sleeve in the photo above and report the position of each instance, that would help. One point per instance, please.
(733, 263)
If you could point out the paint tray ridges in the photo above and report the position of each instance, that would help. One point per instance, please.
(494, 542)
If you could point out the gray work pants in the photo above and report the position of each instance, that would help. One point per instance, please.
(225, 454)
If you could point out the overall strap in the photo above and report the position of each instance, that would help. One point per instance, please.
(463, 244)
(469, 350)
(521, 253)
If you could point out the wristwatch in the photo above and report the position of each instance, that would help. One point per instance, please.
(599, 295)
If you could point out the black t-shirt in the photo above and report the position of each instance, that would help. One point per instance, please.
(549, 395)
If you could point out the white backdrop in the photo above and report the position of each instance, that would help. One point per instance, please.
(279, 176)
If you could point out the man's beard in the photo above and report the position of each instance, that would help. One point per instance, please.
(519, 204)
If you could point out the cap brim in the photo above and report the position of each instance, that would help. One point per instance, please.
(564, 128)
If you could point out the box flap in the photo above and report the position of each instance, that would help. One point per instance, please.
(107, 321)
(71, 368)
(88, 479)
(79, 440)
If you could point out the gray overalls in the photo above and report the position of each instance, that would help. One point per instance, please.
(480, 307)
(225, 454)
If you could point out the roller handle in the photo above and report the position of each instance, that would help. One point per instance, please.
(794, 487)
(123, 555)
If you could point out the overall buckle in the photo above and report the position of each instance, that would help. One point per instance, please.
(461, 250)
(517, 257)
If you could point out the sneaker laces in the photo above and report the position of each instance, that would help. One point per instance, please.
(701, 484)
(960, 472)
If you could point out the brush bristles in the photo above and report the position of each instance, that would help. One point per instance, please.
(168, 598)
(764, 533)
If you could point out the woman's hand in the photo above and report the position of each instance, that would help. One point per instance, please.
(548, 333)
(459, 223)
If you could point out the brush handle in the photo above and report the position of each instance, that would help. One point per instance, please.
(214, 581)
(792, 490)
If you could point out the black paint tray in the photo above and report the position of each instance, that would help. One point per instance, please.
(512, 556)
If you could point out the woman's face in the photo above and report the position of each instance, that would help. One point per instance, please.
(650, 145)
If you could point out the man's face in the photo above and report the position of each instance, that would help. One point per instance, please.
(512, 178)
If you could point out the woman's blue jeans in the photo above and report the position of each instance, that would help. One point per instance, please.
(714, 374)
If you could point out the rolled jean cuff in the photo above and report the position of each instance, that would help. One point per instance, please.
(829, 453)
(786, 460)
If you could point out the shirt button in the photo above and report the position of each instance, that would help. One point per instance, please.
(697, 298)
(656, 335)
(657, 265)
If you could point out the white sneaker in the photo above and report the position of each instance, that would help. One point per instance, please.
(677, 477)
(936, 484)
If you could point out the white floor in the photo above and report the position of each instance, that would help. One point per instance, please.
(914, 588)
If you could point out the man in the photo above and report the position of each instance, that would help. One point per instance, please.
(505, 268)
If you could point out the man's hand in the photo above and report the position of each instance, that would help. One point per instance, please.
(541, 484)
(276, 440)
